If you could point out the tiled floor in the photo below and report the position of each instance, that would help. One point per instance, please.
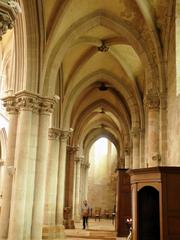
(103, 229)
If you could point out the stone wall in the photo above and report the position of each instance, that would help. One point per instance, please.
(102, 178)
(173, 101)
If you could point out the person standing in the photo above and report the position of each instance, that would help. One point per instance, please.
(85, 213)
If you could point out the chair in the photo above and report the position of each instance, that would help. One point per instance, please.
(107, 213)
(97, 213)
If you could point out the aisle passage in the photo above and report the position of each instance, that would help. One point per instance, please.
(98, 230)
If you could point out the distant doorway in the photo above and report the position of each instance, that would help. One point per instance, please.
(148, 214)
(102, 180)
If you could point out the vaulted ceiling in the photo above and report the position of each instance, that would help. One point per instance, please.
(114, 44)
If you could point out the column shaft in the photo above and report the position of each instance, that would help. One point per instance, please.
(31, 176)
(127, 157)
(51, 180)
(77, 191)
(142, 149)
(61, 178)
(135, 150)
(74, 190)
(40, 178)
(83, 180)
(152, 102)
(8, 177)
(17, 216)
(70, 175)
(86, 181)
(153, 137)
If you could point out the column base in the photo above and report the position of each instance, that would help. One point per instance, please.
(53, 232)
(77, 220)
(69, 224)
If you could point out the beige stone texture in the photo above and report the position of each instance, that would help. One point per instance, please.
(102, 178)
(91, 69)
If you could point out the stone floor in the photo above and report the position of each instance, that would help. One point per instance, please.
(99, 230)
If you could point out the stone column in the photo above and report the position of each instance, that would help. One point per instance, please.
(87, 165)
(61, 177)
(142, 149)
(49, 230)
(163, 128)
(46, 109)
(71, 152)
(9, 103)
(82, 180)
(127, 157)
(77, 190)
(152, 104)
(31, 173)
(74, 190)
(25, 103)
(121, 162)
(52, 174)
(70, 175)
(135, 133)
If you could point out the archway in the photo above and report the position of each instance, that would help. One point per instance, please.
(102, 182)
(148, 214)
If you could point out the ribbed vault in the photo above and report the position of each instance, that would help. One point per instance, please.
(117, 44)
(104, 43)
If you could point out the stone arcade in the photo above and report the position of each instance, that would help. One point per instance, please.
(71, 72)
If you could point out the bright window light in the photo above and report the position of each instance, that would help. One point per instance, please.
(101, 147)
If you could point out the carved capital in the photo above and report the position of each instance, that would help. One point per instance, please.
(47, 105)
(10, 104)
(77, 160)
(8, 13)
(64, 135)
(152, 100)
(84, 164)
(54, 133)
(72, 149)
(135, 132)
(127, 150)
(27, 103)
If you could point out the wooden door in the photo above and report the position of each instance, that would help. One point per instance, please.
(148, 214)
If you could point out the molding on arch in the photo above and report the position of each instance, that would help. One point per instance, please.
(81, 121)
(92, 78)
(88, 142)
(149, 19)
(95, 125)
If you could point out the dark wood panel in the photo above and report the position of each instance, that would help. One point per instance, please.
(148, 214)
(174, 225)
(123, 203)
(173, 193)
(167, 181)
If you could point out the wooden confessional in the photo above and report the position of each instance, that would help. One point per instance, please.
(155, 203)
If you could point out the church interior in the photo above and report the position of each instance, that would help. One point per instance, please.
(89, 110)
